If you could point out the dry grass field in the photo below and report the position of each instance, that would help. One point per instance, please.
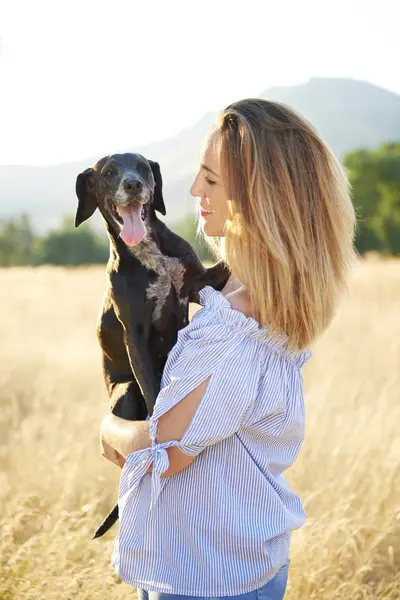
(55, 487)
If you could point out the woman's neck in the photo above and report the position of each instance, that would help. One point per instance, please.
(232, 285)
(235, 292)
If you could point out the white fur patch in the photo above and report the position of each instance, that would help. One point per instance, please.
(169, 269)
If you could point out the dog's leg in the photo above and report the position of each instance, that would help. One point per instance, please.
(196, 275)
(134, 313)
(141, 363)
(216, 276)
(126, 400)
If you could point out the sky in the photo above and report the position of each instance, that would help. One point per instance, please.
(84, 78)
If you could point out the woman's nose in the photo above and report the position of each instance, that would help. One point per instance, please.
(196, 189)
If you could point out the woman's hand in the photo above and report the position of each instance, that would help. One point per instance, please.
(110, 453)
(119, 437)
(106, 448)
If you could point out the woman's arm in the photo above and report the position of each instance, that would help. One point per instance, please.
(123, 437)
(119, 437)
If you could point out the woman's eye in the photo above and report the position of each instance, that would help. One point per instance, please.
(209, 181)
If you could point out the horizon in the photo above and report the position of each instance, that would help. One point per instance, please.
(86, 83)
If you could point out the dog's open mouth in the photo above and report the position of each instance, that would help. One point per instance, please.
(132, 219)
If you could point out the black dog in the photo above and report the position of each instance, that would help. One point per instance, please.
(153, 274)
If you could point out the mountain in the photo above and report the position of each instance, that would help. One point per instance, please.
(348, 114)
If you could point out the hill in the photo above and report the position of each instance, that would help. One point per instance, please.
(348, 114)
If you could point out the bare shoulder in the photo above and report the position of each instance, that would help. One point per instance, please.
(240, 301)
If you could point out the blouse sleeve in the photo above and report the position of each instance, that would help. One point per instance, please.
(232, 363)
(233, 372)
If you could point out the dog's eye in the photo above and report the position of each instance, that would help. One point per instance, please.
(109, 173)
(143, 169)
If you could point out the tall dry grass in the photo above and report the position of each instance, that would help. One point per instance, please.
(54, 486)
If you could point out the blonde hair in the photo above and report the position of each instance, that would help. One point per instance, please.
(290, 235)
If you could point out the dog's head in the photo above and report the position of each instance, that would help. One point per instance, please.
(125, 188)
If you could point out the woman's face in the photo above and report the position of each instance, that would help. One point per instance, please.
(209, 188)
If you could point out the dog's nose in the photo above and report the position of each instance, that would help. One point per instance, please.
(132, 185)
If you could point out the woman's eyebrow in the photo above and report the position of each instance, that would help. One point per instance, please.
(203, 166)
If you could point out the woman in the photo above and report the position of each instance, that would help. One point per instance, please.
(214, 517)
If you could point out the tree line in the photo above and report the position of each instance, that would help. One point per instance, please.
(374, 176)
(375, 179)
(66, 246)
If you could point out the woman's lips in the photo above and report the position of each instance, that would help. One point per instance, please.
(205, 213)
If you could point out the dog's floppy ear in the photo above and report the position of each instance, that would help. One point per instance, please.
(158, 200)
(84, 188)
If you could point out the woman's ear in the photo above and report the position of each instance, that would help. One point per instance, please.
(158, 200)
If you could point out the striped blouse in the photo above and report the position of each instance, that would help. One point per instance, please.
(221, 527)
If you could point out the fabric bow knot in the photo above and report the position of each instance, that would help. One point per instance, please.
(158, 455)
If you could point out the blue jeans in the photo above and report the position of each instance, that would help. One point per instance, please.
(273, 590)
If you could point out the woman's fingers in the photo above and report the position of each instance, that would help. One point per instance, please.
(125, 436)
(121, 461)
(111, 454)
(120, 437)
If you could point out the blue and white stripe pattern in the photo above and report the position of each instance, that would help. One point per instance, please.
(222, 526)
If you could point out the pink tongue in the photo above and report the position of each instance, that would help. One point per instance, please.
(133, 228)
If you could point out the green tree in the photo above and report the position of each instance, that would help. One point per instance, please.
(187, 229)
(17, 242)
(375, 179)
(70, 246)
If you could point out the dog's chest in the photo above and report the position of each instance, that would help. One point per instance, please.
(170, 273)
